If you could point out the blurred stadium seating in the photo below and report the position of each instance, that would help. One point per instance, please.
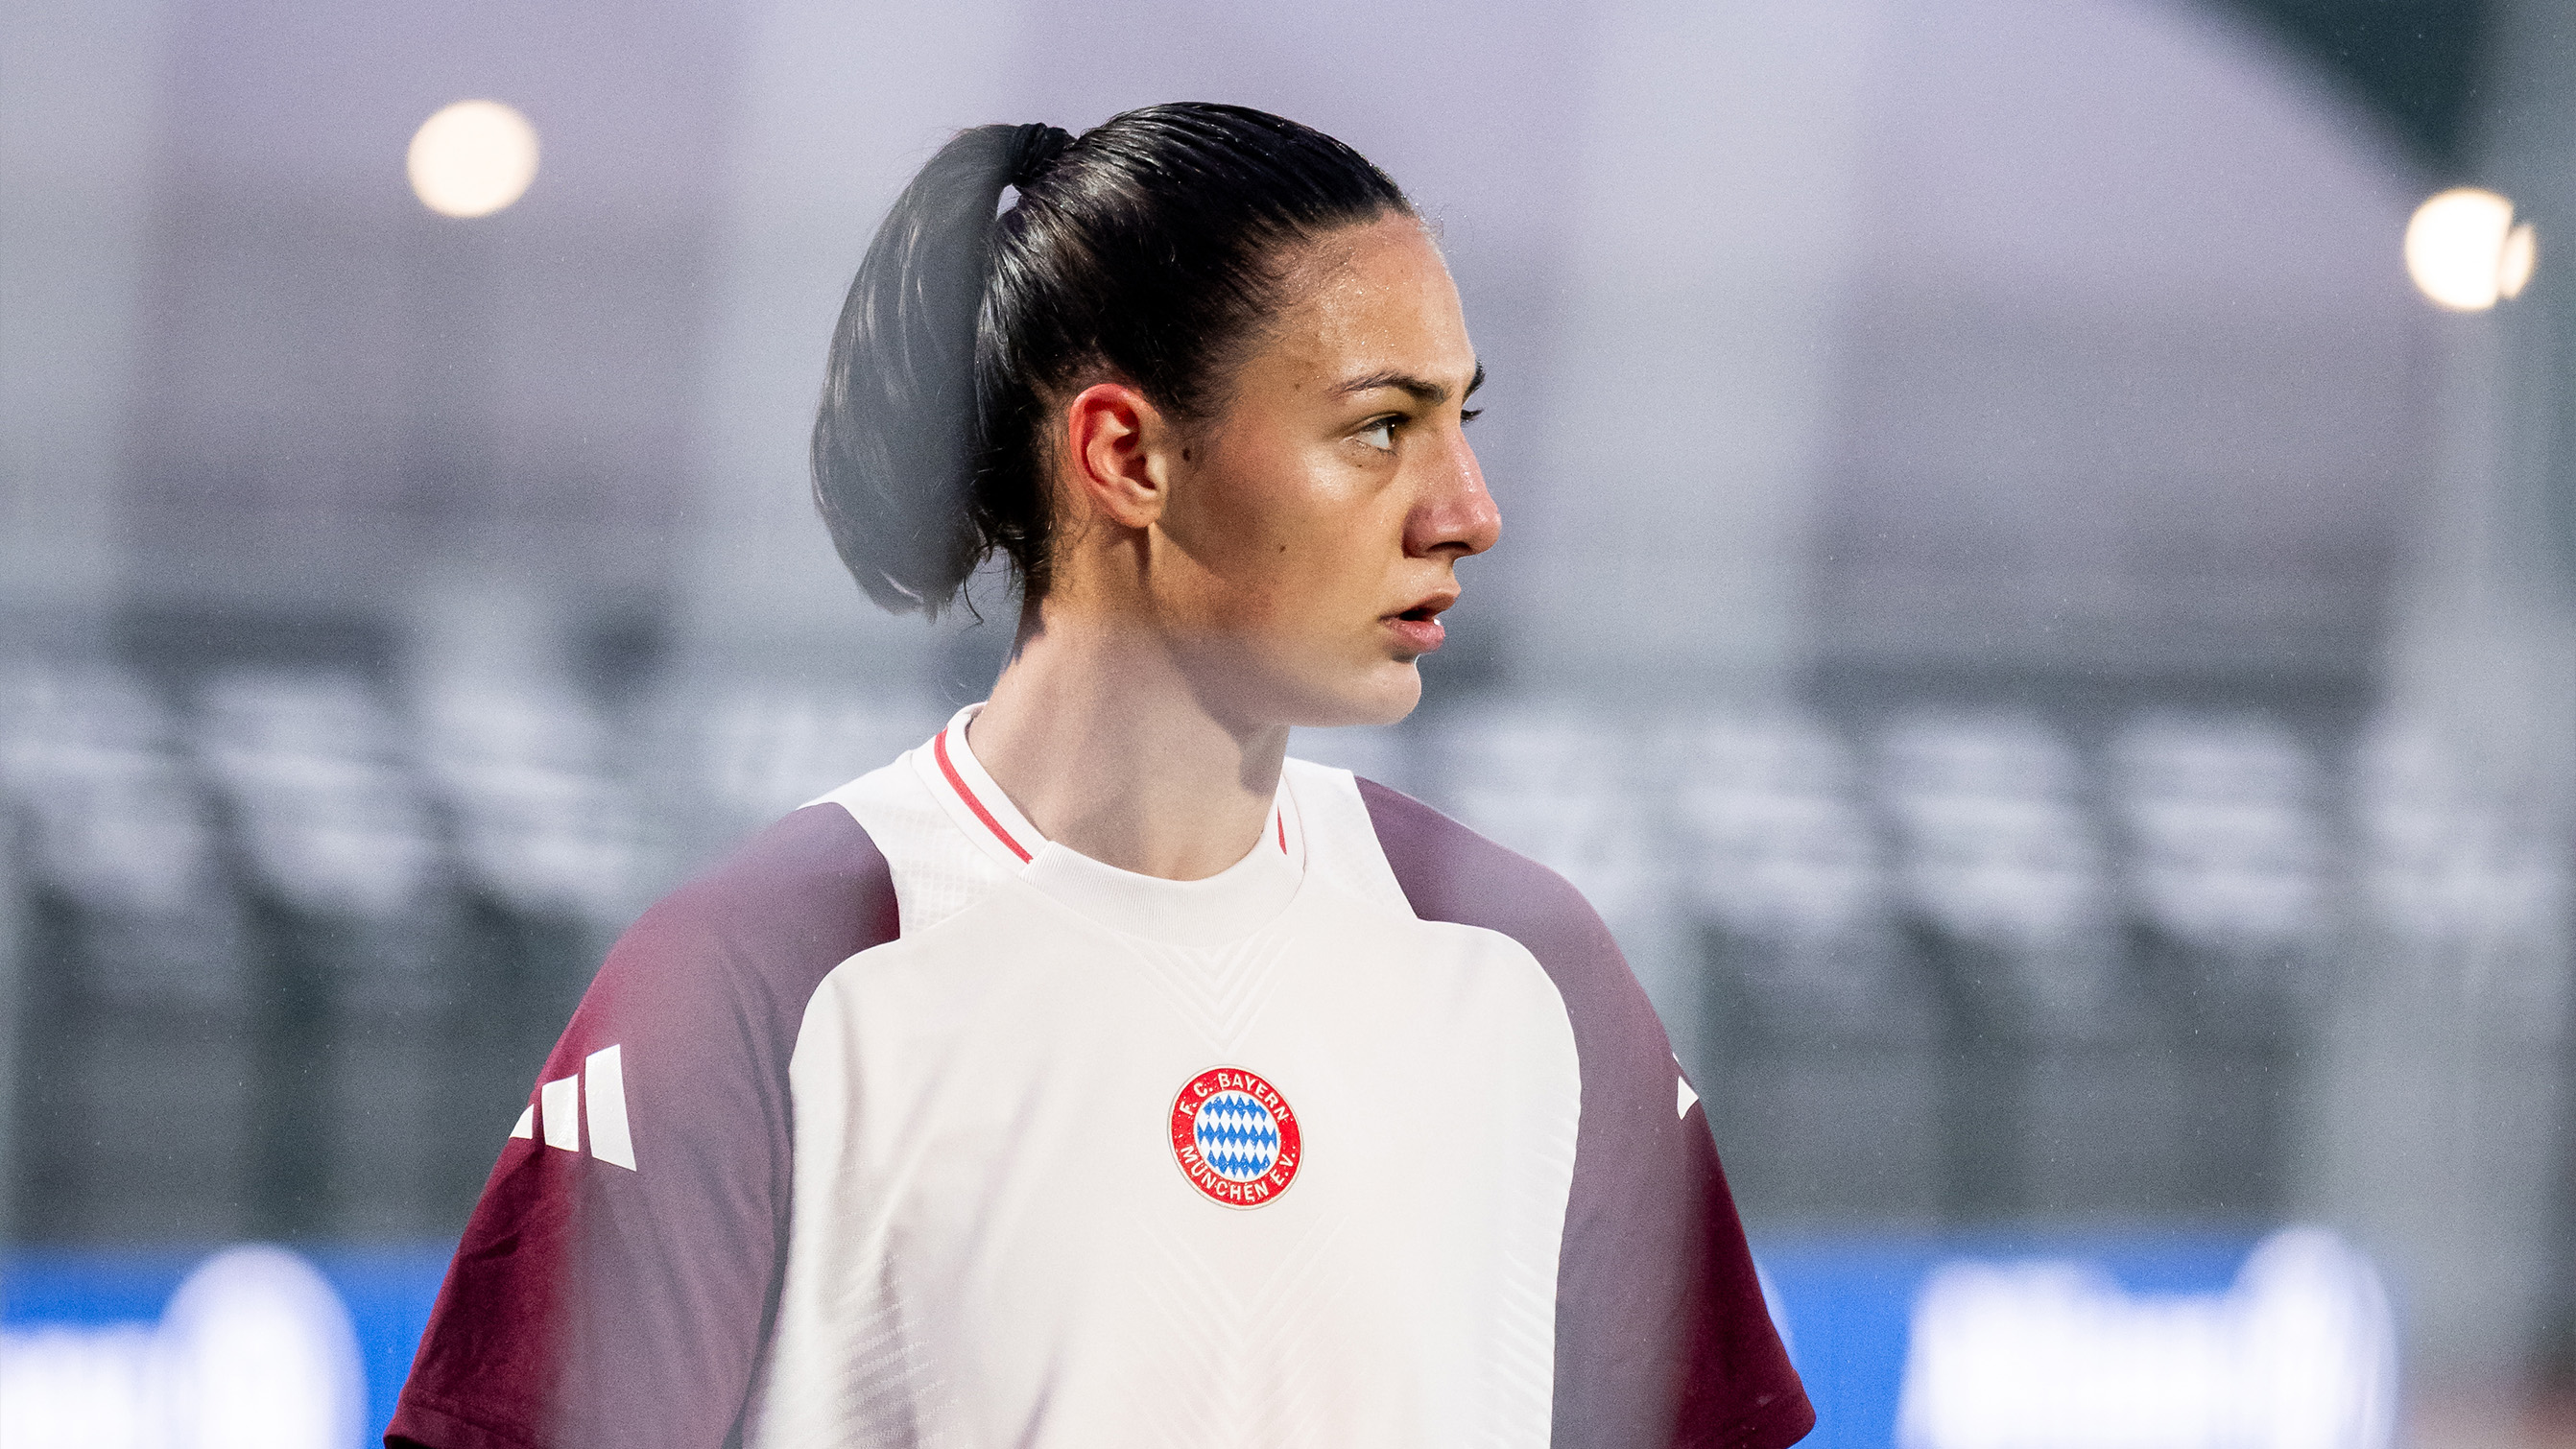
(2089, 971)
(1951, 972)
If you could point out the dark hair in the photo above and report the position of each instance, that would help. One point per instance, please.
(1149, 249)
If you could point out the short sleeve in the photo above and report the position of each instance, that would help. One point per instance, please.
(617, 1280)
(1662, 1337)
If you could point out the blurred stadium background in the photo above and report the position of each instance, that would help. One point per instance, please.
(2054, 653)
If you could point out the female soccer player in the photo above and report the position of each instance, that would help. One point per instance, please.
(1093, 1074)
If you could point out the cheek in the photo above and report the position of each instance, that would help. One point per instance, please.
(1284, 548)
(1320, 570)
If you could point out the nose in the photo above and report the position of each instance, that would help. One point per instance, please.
(1454, 514)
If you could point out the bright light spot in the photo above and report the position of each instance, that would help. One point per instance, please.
(255, 1351)
(2464, 251)
(2299, 1354)
(2521, 254)
(472, 158)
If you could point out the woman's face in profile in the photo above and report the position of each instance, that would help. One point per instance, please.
(1326, 508)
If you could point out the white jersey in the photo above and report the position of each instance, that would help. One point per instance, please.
(970, 1139)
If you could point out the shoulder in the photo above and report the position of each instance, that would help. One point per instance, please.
(1404, 854)
(1450, 873)
(757, 933)
(695, 1015)
(613, 1283)
(813, 876)
(936, 868)
(812, 884)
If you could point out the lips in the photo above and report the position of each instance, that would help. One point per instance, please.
(1418, 630)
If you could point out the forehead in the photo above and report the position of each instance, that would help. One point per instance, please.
(1374, 298)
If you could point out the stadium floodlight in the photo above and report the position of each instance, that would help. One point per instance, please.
(472, 158)
(2464, 251)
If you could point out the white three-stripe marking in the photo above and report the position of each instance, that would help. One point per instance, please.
(600, 1088)
(605, 1096)
(556, 1101)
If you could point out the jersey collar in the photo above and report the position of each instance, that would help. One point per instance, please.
(970, 797)
(1237, 899)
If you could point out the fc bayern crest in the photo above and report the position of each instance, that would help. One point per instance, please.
(1235, 1137)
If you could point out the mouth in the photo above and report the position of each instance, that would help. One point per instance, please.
(1418, 630)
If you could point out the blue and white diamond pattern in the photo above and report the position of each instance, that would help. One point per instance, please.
(1237, 1136)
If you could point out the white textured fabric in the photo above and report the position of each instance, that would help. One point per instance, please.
(938, 869)
(1341, 844)
(992, 1241)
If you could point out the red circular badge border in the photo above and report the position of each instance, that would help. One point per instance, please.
(1292, 1137)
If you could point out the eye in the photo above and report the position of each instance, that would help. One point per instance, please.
(1380, 435)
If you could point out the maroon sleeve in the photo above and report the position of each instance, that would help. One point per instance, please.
(594, 1303)
(1662, 1340)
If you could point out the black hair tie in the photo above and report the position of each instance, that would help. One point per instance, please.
(1040, 144)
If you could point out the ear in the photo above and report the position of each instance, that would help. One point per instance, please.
(1116, 441)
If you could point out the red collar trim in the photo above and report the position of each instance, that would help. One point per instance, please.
(957, 782)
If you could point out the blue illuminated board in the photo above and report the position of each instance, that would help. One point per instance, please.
(307, 1350)
(2177, 1341)
(2168, 1340)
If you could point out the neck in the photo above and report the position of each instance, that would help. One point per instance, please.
(1109, 747)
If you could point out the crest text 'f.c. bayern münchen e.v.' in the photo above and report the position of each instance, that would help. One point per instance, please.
(1235, 1137)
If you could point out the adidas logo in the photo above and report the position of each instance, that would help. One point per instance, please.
(598, 1094)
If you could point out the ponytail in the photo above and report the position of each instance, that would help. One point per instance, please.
(896, 439)
(1143, 249)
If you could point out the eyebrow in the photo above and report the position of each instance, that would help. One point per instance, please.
(1421, 390)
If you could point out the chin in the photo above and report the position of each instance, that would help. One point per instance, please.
(1386, 694)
